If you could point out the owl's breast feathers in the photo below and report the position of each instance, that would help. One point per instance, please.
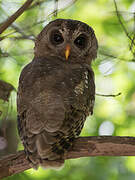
(54, 99)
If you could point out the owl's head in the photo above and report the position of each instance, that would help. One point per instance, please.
(70, 40)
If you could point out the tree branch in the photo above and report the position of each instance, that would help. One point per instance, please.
(109, 95)
(83, 147)
(121, 23)
(12, 18)
(125, 30)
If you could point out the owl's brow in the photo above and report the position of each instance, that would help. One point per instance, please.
(61, 30)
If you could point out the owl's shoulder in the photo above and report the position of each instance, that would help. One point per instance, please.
(25, 71)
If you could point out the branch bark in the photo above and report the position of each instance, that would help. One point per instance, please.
(12, 18)
(83, 147)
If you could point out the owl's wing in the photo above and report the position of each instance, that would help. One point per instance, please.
(43, 107)
(91, 90)
(84, 89)
(40, 112)
(37, 126)
(46, 112)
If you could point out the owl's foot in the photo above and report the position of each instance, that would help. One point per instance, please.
(55, 164)
(34, 163)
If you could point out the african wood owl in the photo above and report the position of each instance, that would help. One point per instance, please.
(56, 91)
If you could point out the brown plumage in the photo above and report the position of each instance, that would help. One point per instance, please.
(56, 93)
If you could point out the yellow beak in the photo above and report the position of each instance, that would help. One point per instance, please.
(67, 51)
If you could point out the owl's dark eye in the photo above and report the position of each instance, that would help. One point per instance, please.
(56, 38)
(81, 41)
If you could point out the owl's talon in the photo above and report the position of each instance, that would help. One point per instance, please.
(56, 164)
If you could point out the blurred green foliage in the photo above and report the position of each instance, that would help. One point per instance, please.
(114, 72)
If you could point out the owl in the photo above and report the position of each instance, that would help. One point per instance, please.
(56, 91)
